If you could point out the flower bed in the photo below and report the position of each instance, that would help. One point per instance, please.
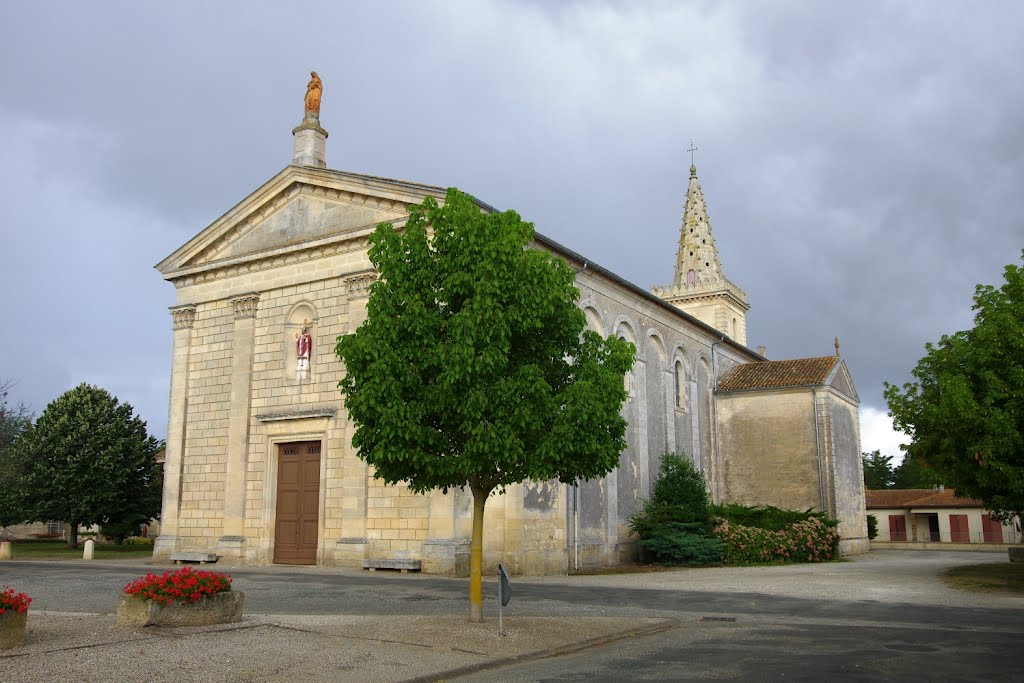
(185, 597)
(13, 616)
(184, 585)
(810, 540)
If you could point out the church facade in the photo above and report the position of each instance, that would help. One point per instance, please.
(260, 468)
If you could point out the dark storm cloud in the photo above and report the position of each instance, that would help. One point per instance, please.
(862, 162)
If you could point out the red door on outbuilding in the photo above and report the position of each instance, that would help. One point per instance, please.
(991, 529)
(958, 531)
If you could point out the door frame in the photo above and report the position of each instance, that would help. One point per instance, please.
(269, 516)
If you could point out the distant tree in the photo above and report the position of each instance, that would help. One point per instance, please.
(473, 368)
(964, 410)
(872, 527)
(13, 421)
(912, 474)
(90, 461)
(878, 470)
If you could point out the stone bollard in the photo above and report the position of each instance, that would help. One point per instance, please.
(90, 548)
(1016, 553)
(5, 550)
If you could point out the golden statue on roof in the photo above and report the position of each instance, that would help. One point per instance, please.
(313, 92)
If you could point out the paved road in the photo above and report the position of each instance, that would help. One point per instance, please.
(732, 634)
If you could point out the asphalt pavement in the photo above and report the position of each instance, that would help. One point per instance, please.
(804, 622)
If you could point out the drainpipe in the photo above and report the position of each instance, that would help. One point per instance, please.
(817, 446)
(576, 526)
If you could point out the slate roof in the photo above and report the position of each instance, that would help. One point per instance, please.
(775, 374)
(918, 498)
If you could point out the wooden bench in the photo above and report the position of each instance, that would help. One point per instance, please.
(404, 565)
(201, 558)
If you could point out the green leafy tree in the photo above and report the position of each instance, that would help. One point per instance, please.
(90, 461)
(13, 421)
(878, 470)
(473, 368)
(964, 410)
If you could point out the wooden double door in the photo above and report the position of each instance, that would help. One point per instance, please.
(298, 503)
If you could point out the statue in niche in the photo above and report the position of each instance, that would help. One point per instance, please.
(303, 352)
(313, 92)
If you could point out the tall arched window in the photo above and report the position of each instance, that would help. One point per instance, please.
(680, 375)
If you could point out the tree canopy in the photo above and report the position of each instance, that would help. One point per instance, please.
(473, 368)
(13, 421)
(965, 408)
(879, 473)
(878, 470)
(90, 461)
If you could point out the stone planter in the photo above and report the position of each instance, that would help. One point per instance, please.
(1016, 553)
(221, 608)
(12, 629)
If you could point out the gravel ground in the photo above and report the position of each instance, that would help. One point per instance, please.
(91, 647)
(891, 576)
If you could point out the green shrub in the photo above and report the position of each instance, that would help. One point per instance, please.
(675, 524)
(675, 543)
(810, 540)
(681, 486)
(872, 527)
(137, 540)
(762, 516)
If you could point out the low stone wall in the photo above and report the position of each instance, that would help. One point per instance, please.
(936, 545)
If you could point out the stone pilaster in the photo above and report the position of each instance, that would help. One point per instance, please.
(232, 539)
(183, 319)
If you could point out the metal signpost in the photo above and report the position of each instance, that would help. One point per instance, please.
(504, 595)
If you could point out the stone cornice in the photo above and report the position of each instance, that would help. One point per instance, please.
(246, 305)
(703, 290)
(358, 285)
(183, 317)
(300, 414)
(339, 244)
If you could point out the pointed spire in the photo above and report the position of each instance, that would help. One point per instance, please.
(700, 288)
(697, 259)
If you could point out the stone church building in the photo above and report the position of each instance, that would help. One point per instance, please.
(259, 464)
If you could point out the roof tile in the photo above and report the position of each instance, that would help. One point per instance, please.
(775, 374)
(918, 498)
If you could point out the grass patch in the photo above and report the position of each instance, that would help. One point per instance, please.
(59, 550)
(987, 578)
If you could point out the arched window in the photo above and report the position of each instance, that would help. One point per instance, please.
(680, 376)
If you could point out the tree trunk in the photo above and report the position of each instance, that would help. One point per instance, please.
(476, 547)
(73, 535)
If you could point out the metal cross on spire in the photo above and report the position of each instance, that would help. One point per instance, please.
(693, 148)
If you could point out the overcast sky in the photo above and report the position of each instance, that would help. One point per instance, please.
(863, 163)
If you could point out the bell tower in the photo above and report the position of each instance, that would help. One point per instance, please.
(700, 287)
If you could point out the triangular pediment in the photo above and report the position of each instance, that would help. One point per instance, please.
(299, 206)
(841, 381)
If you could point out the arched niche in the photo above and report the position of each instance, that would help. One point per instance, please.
(301, 315)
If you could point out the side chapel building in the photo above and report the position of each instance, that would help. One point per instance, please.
(260, 468)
